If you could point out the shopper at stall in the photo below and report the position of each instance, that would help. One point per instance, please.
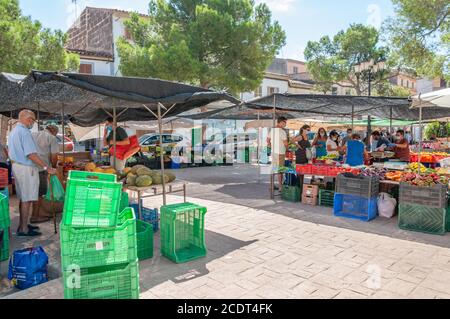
(401, 147)
(355, 151)
(122, 141)
(47, 146)
(25, 166)
(380, 142)
(320, 143)
(304, 147)
(278, 142)
(348, 137)
(333, 147)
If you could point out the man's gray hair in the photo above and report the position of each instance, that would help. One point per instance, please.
(26, 114)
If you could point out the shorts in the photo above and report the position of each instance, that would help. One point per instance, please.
(27, 182)
(278, 160)
(43, 183)
(120, 164)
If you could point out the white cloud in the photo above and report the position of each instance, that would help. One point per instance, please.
(279, 5)
(292, 51)
(374, 19)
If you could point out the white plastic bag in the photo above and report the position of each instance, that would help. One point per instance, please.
(386, 205)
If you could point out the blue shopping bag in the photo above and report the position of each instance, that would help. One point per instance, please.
(28, 267)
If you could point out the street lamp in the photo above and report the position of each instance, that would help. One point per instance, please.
(371, 68)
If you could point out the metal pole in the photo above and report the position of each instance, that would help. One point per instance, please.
(370, 79)
(353, 115)
(38, 117)
(274, 110)
(369, 129)
(390, 121)
(257, 151)
(114, 136)
(420, 138)
(63, 133)
(161, 152)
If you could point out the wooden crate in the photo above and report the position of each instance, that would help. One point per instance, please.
(310, 190)
(309, 200)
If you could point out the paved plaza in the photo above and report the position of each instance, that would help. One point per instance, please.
(262, 248)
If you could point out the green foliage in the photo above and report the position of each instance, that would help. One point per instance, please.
(420, 36)
(437, 129)
(212, 43)
(332, 61)
(25, 45)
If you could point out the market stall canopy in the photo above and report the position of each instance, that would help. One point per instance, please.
(86, 97)
(323, 107)
(96, 132)
(439, 98)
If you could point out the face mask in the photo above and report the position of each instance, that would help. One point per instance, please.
(30, 127)
(322, 134)
(334, 139)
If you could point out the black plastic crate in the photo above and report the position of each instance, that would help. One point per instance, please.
(364, 186)
(434, 196)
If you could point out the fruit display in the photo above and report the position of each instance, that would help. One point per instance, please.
(92, 167)
(415, 167)
(395, 176)
(328, 157)
(375, 171)
(424, 180)
(142, 176)
(429, 157)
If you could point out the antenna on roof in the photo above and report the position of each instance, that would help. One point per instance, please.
(75, 2)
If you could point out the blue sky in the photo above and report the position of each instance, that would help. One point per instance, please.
(303, 20)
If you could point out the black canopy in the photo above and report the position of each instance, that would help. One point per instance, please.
(86, 97)
(324, 107)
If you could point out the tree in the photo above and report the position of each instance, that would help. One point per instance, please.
(437, 129)
(212, 43)
(25, 45)
(331, 61)
(420, 36)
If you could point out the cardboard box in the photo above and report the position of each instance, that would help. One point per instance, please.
(310, 190)
(309, 200)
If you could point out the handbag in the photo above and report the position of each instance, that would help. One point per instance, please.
(28, 267)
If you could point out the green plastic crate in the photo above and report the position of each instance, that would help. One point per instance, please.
(92, 247)
(422, 218)
(326, 198)
(4, 249)
(144, 234)
(124, 201)
(183, 232)
(90, 203)
(5, 220)
(105, 282)
(447, 228)
(291, 193)
(102, 177)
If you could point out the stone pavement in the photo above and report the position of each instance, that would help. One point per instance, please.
(261, 248)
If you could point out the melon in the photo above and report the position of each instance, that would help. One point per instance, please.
(171, 176)
(157, 179)
(98, 170)
(109, 170)
(135, 168)
(144, 171)
(131, 179)
(126, 170)
(143, 181)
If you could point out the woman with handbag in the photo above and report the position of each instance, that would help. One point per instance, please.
(303, 153)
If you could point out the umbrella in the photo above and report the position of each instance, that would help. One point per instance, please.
(439, 98)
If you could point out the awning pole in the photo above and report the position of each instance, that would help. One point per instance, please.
(420, 138)
(38, 117)
(63, 133)
(369, 129)
(274, 110)
(161, 152)
(353, 115)
(114, 136)
(390, 121)
(257, 151)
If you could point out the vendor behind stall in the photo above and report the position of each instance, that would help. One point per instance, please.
(356, 151)
(401, 146)
(122, 142)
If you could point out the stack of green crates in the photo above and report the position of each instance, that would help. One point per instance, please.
(326, 198)
(291, 193)
(98, 244)
(183, 232)
(5, 223)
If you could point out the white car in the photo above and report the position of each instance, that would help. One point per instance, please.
(169, 140)
(231, 144)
